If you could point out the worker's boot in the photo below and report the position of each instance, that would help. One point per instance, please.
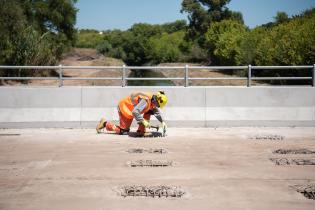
(123, 131)
(101, 125)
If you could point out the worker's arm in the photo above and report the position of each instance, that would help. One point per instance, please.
(138, 109)
(158, 114)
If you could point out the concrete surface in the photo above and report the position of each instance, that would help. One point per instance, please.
(223, 168)
(188, 107)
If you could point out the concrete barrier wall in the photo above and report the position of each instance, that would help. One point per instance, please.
(193, 106)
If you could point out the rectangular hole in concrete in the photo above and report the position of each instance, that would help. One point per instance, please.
(274, 137)
(286, 161)
(307, 190)
(153, 151)
(152, 191)
(151, 163)
(293, 151)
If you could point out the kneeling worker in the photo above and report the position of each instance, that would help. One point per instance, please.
(134, 106)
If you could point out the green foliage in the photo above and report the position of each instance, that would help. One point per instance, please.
(281, 17)
(31, 48)
(178, 25)
(223, 40)
(12, 22)
(58, 16)
(249, 45)
(192, 52)
(165, 48)
(202, 13)
(137, 42)
(142, 42)
(217, 36)
(104, 47)
(35, 32)
(289, 43)
(89, 39)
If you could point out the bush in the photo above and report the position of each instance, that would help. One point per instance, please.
(89, 39)
(104, 47)
(33, 33)
(165, 47)
(223, 40)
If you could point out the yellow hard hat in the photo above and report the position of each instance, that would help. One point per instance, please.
(161, 99)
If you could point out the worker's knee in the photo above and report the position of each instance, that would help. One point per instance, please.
(110, 126)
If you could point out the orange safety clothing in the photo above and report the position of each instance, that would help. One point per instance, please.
(124, 124)
(127, 104)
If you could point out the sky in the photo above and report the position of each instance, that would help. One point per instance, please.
(122, 14)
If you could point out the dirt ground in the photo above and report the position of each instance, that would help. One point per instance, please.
(218, 168)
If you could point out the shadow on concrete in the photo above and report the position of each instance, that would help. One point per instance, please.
(153, 134)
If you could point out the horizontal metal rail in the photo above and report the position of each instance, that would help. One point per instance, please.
(281, 78)
(63, 67)
(124, 78)
(29, 78)
(219, 67)
(281, 67)
(154, 78)
(218, 78)
(29, 67)
(154, 67)
(91, 78)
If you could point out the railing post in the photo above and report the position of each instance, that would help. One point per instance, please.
(186, 75)
(249, 76)
(313, 78)
(60, 76)
(123, 76)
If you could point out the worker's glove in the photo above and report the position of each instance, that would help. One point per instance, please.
(146, 124)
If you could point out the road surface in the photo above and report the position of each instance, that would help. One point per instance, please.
(217, 168)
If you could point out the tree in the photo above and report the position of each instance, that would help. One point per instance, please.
(249, 43)
(165, 47)
(289, 43)
(281, 17)
(36, 32)
(178, 25)
(224, 41)
(12, 23)
(105, 47)
(89, 39)
(202, 13)
(56, 16)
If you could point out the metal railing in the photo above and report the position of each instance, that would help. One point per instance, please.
(185, 68)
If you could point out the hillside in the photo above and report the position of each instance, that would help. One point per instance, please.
(90, 57)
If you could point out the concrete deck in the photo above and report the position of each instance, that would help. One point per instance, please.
(223, 168)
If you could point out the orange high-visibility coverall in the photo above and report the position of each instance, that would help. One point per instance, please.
(125, 111)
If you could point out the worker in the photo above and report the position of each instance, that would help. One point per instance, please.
(140, 106)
